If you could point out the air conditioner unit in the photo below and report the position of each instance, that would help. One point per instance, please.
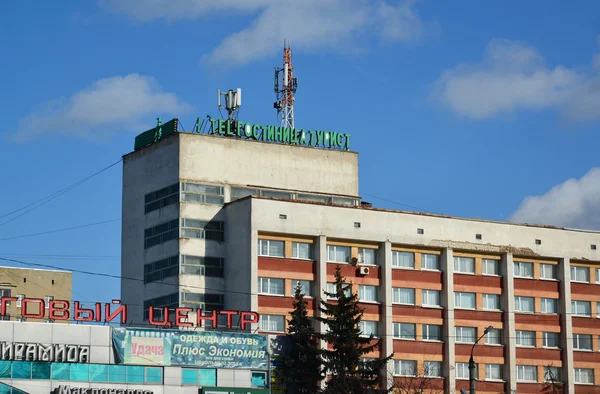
(363, 270)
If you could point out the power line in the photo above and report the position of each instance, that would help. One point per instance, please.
(62, 256)
(47, 199)
(405, 205)
(60, 230)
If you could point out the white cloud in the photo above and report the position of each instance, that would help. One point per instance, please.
(116, 103)
(512, 77)
(309, 24)
(574, 203)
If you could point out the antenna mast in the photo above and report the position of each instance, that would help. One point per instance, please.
(285, 92)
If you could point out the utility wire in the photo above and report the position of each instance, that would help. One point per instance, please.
(60, 230)
(62, 256)
(47, 199)
(405, 205)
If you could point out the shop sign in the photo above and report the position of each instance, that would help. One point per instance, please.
(36, 308)
(282, 135)
(41, 352)
(194, 349)
(87, 390)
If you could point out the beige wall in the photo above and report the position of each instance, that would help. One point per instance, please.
(34, 283)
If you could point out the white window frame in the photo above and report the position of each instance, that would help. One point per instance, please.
(426, 295)
(553, 270)
(495, 262)
(429, 366)
(398, 367)
(398, 291)
(296, 249)
(577, 375)
(575, 268)
(262, 279)
(574, 308)
(521, 371)
(498, 302)
(459, 334)
(489, 368)
(437, 262)
(373, 323)
(524, 334)
(374, 251)
(519, 275)
(576, 342)
(334, 248)
(486, 338)
(268, 322)
(545, 340)
(597, 275)
(462, 371)
(544, 305)
(458, 298)
(396, 260)
(457, 263)
(556, 371)
(361, 289)
(399, 330)
(330, 288)
(518, 300)
(268, 242)
(309, 285)
(425, 332)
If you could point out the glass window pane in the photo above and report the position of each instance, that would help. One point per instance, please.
(259, 379)
(61, 371)
(403, 259)
(430, 262)
(153, 375)
(189, 376)
(98, 373)
(40, 370)
(117, 374)
(5, 369)
(80, 372)
(207, 377)
(135, 374)
(21, 370)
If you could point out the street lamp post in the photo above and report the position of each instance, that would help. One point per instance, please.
(472, 389)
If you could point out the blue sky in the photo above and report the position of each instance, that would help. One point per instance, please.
(476, 109)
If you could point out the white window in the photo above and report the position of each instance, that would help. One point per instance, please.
(271, 286)
(368, 256)
(301, 250)
(338, 254)
(525, 338)
(331, 289)
(432, 369)
(272, 323)
(548, 271)
(526, 373)
(405, 331)
(466, 334)
(523, 270)
(493, 337)
(20, 299)
(493, 372)
(431, 298)
(462, 370)
(581, 308)
(582, 342)
(552, 374)
(432, 332)
(524, 304)
(549, 305)
(269, 247)
(491, 302)
(47, 300)
(597, 275)
(405, 367)
(490, 267)
(367, 293)
(584, 376)
(403, 259)
(598, 309)
(551, 339)
(430, 262)
(580, 274)
(306, 287)
(402, 295)
(465, 265)
(369, 328)
(464, 300)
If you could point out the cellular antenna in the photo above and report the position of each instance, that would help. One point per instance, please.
(286, 91)
(233, 101)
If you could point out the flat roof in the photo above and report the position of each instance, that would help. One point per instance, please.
(386, 210)
(65, 271)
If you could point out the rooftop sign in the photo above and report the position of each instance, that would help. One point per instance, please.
(282, 135)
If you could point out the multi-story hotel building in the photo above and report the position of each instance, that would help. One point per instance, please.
(218, 222)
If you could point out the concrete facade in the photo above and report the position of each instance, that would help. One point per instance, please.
(267, 218)
(33, 283)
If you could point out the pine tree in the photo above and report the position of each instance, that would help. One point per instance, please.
(348, 373)
(302, 368)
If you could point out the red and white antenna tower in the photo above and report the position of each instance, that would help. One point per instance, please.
(286, 91)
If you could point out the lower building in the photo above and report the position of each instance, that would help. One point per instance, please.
(39, 358)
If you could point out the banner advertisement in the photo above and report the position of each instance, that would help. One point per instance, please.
(190, 348)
